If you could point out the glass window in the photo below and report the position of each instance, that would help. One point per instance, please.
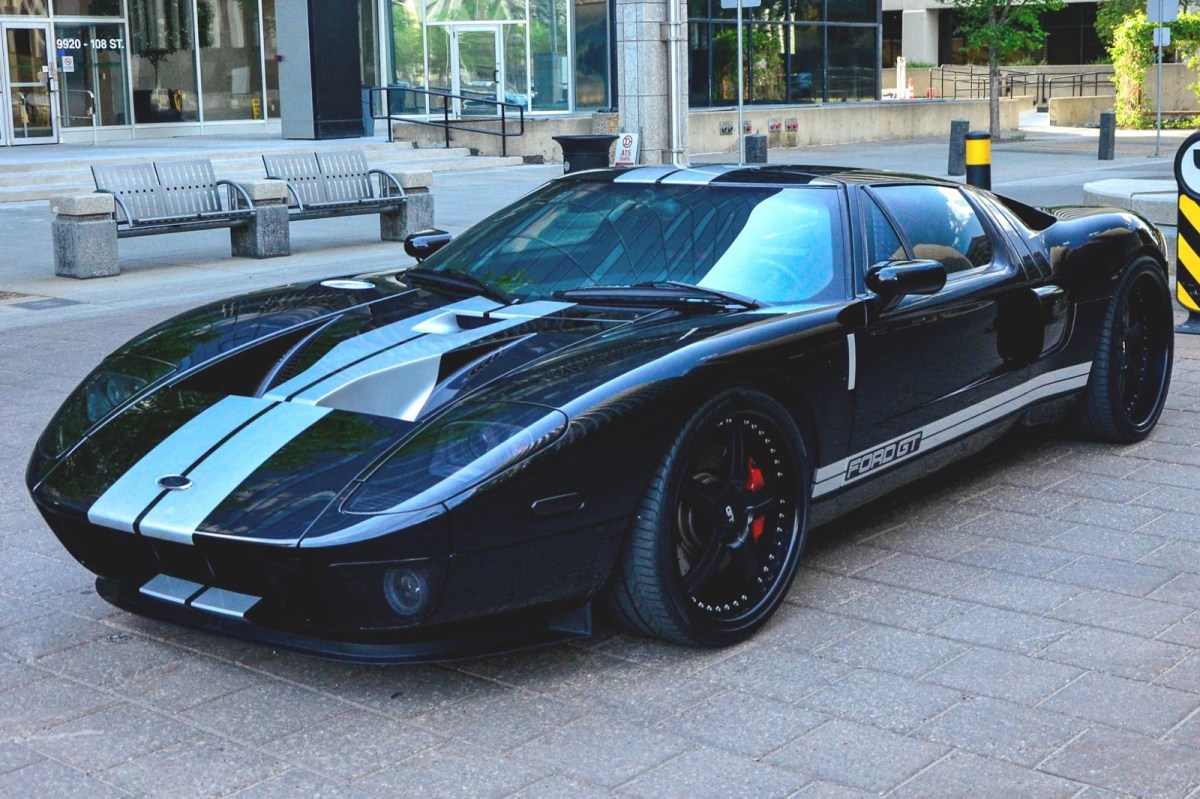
(882, 242)
(806, 75)
(35, 8)
(270, 65)
(764, 65)
(230, 59)
(548, 50)
(162, 60)
(86, 8)
(97, 79)
(853, 63)
(853, 11)
(940, 225)
(368, 37)
(474, 10)
(777, 245)
(408, 55)
(516, 71)
(591, 54)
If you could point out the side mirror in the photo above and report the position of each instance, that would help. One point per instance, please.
(424, 243)
(893, 279)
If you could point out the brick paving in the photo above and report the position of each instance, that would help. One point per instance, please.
(1027, 626)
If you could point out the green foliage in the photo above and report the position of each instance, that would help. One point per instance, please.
(763, 64)
(1111, 13)
(921, 65)
(1132, 54)
(1003, 28)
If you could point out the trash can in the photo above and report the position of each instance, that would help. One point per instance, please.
(585, 152)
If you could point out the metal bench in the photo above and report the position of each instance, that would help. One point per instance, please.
(339, 183)
(170, 196)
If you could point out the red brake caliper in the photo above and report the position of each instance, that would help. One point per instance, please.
(754, 484)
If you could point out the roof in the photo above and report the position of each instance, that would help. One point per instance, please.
(774, 175)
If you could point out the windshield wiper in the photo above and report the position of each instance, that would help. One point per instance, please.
(658, 292)
(454, 279)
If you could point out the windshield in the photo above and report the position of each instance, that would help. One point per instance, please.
(776, 245)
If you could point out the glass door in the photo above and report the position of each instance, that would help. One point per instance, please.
(478, 68)
(28, 84)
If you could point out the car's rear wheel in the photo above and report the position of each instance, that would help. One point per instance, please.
(1132, 370)
(718, 535)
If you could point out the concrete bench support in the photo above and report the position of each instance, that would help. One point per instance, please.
(417, 211)
(267, 234)
(85, 235)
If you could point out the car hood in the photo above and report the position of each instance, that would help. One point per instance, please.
(353, 383)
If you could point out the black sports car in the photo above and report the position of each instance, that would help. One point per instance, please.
(636, 387)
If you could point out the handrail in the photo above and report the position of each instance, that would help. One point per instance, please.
(445, 122)
(968, 81)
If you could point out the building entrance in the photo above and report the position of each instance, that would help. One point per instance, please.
(28, 84)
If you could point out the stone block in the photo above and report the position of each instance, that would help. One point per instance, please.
(94, 204)
(264, 191)
(266, 235)
(415, 179)
(416, 214)
(85, 246)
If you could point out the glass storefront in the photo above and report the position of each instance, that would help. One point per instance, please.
(794, 51)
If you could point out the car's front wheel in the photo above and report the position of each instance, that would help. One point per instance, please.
(1132, 370)
(718, 535)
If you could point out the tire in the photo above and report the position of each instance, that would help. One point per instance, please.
(1131, 373)
(719, 532)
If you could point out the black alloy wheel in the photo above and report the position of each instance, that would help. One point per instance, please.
(721, 527)
(1132, 370)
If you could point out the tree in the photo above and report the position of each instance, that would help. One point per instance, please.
(1110, 14)
(1002, 28)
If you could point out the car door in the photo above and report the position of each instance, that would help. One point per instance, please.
(932, 368)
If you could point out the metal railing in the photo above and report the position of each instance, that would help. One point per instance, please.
(972, 82)
(452, 106)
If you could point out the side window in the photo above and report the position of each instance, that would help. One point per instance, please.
(882, 242)
(940, 225)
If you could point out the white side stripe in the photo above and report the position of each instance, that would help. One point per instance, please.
(852, 361)
(835, 475)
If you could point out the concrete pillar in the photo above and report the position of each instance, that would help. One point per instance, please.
(417, 211)
(919, 35)
(85, 235)
(642, 42)
(267, 234)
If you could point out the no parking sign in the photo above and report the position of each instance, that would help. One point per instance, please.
(1187, 246)
(627, 150)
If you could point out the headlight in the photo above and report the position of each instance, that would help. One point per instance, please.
(456, 452)
(115, 382)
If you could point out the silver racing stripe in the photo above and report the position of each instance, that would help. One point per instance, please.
(895, 451)
(398, 379)
(179, 513)
(119, 506)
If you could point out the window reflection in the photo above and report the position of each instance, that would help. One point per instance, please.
(96, 82)
(23, 7)
(162, 59)
(230, 60)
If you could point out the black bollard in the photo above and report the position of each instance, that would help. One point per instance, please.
(756, 149)
(958, 146)
(1108, 135)
(979, 159)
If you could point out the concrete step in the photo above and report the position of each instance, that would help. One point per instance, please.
(1157, 200)
(44, 184)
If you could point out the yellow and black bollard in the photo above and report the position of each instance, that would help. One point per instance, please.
(979, 159)
(1187, 243)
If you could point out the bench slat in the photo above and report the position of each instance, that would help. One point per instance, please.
(347, 177)
(303, 172)
(189, 188)
(135, 184)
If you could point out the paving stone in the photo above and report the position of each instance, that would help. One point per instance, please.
(402, 692)
(39, 636)
(1015, 557)
(641, 693)
(845, 558)
(1171, 499)
(991, 672)
(785, 676)
(1183, 556)
(820, 789)
(113, 658)
(1118, 702)
(1116, 653)
(42, 704)
(1184, 676)
(1113, 575)
(1172, 474)
(883, 700)
(264, 712)
(352, 745)
(1107, 543)
(14, 756)
(1108, 465)
(1013, 592)
(202, 766)
(962, 774)
(826, 591)
(930, 542)
(185, 683)
(1128, 764)
(1009, 630)
(297, 783)
(110, 736)
(1165, 452)
(890, 649)
(1111, 514)
(701, 773)
(1014, 526)
(602, 750)
(807, 629)
(742, 722)
(500, 723)
(1018, 499)
(857, 755)
(922, 574)
(559, 787)
(46, 778)
(533, 669)
(1109, 489)
(911, 610)
(999, 729)
(1129, 614)
(1177, 526)
(1183, 590)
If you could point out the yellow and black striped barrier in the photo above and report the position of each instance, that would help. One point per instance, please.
(1187, 243)
(979, 159)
